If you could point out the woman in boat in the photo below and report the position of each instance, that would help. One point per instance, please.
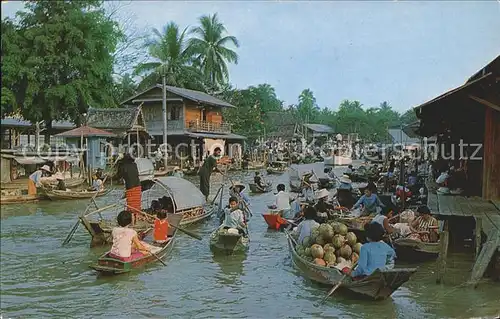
(259, 181)
(236, 190)
(305, 227)
(61, 186)
(178, 172)
(424, 227)
(35, 179)
(127, 169)
(383, 219)
(234, 217)
(209, 166)
(375, 254)
(97, 184)
(126, 243)
(345, 192)
(307, 189)
(323, 207)
(160, 233)
(370, 202)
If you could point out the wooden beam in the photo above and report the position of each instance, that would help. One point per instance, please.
(157, 100)
(485, 102)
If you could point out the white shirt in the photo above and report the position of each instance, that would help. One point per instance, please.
(234, 219)
(282, 200)
(122, 241)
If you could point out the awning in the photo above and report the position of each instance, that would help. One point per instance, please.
(29, 160)
(461, 88)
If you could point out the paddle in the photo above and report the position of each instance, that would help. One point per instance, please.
(337, 285)
(185, 231)
(92, 200)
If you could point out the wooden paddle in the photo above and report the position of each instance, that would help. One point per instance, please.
(185, 231)
(337, 285)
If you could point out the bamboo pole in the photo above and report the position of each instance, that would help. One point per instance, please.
(443, 254)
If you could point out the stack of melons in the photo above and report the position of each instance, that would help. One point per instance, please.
(330, 244)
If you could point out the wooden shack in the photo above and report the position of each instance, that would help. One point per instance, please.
(466, 123)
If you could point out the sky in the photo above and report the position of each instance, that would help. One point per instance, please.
(401, 52)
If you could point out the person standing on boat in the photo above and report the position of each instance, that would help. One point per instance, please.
(35, 179)
(127, 169)
(209, 166)
(375, 254)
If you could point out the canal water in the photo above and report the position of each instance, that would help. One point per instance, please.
(41, 279)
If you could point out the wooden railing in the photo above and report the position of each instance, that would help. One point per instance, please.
(203, 126)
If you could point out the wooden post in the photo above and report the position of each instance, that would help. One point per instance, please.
(443, 253)
(477, 233)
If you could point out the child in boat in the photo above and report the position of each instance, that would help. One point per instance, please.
(234, 217)
(370, 202)
(160, 232)
(126, 243)
(305, 227)
(375, 254)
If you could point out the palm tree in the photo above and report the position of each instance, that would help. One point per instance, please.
(171, 58)
(210, 51)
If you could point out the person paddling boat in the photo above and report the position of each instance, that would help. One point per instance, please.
(35, 179)
(206, 169)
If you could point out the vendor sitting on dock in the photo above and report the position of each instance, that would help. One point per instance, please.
(425, 227)
(233, 217)
(126, 243)
(370, 202)
(127, 169)
(35, 179)
(375, 254)
(305, 227)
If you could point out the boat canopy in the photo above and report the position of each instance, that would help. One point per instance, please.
(184, 193)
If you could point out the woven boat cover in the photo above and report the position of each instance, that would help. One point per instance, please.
(185, 194)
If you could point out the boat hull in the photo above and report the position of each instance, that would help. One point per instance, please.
(377, 286)
(69, 195)
(258, 190)
(414, 250)
(275, 171)
(228, 244)
(4, 200)
(274, 221)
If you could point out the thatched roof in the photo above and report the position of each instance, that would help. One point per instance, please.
(85, 131)
(284, 124)
(115, 120)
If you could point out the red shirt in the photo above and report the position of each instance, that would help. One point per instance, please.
(160, 230)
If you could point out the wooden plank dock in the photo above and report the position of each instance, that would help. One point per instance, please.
(487, 216)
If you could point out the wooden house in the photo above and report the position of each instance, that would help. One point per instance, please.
(193, 118)
(466, 123)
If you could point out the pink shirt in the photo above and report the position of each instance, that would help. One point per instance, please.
(122, 241)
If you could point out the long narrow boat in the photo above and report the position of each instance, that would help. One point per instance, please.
(379, 285)
(277, 167)
(111, 266)
(259, 190)
(69, 194)
(228, 243)
(187, 200)
(414, 250)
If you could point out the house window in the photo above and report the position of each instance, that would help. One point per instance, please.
(175, 112)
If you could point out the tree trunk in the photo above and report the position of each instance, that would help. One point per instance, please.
(48, 130)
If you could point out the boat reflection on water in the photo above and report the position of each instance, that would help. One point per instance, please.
(231, 267)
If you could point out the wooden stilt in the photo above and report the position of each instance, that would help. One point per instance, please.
(443, 254)
(477, 240)
(485, 257)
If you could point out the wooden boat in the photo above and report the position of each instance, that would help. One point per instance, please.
(187, 200)
(225, 242)
(22, 183)
(68, 194)
(273, 222)
(16, 199)
(379, 285)
(111, 266)
(414, 250)
(258, 190)
(277, 167)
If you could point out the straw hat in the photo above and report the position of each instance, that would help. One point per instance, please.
(322, 193)
(345, 179)
(46, 168)
(59, 176)
(237, 183)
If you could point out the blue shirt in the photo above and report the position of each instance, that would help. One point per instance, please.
(373, 256)
(369, 203)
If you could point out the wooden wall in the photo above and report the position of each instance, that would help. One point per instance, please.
(193, 112)
(491, 170)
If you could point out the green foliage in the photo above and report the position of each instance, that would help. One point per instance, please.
(124, 89)
(208, 47)
(66, 61)
(171, 57)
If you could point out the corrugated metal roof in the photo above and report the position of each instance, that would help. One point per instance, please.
(319, 128)
(400, 137)
(19, 122)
